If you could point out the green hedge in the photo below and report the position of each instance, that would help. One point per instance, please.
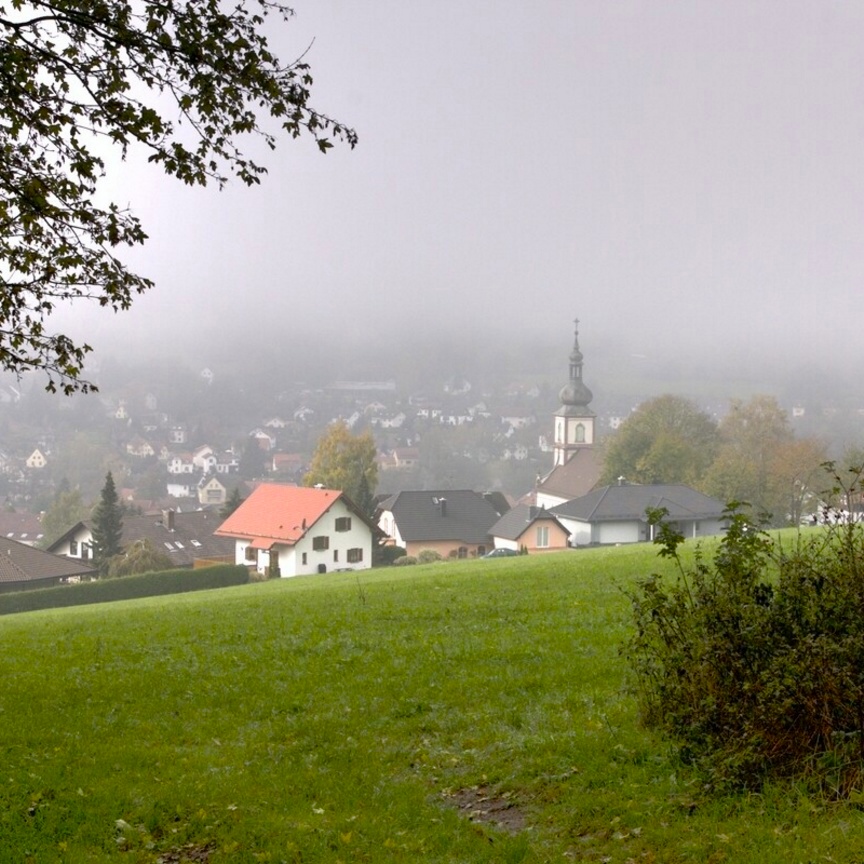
(125, 588)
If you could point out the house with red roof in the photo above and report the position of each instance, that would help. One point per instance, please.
(295, 530)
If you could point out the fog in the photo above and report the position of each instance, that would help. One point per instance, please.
(686, 178)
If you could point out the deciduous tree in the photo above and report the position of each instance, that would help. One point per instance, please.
(745, 467)
(346, 462)
(66, 510)
(185, 81)
(666, 440)
(141, 557)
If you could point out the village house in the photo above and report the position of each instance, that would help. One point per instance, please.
(23, 567)
(282, 530)
(533, 529)
(617, 514)
(452, 522)
(211, 491)
(36, 460)
(187, 538)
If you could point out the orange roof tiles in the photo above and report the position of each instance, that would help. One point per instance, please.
(278, 512)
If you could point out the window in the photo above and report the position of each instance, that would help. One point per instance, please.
(321, 542)
(355, 556)
(304, 557)
(343, 523)
(335, 556)
(542, 536)
(73, 547)
(463, 552)
(251, 555)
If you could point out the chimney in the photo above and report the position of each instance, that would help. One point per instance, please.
(168, 519)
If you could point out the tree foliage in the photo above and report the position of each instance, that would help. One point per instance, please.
(107, 525)
(232, 502)
(186, 81)
(753, 662)
(141, 557)
(666, 440)
(745, 468)
(66, 510)
(346, 462)
(253, 460)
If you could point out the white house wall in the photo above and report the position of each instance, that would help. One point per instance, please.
(619, 532)
(387, 523)
(633, 531)
(83, 545)
(580, 532)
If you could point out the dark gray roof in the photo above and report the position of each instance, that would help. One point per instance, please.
(24, 527)
(626, 502)
(184, 537)
(464, 515)
(20, 563)
(514, 523)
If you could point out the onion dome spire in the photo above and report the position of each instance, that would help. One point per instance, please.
(574, 394)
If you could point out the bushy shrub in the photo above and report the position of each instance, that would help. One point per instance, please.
(753, 662)
(385, 555)
(405, 561)
(427, 556)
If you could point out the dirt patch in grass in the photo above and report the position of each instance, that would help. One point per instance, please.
(484, 805)
(188, 854)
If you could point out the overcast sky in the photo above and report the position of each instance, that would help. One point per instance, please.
(686, 177)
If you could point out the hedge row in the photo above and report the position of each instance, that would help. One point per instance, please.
(125, 588)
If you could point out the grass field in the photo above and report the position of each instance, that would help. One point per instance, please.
(471, 712)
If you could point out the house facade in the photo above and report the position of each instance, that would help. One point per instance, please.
(211, 491)
(296, 530)
(533, 529)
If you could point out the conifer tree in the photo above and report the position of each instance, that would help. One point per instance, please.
(107, 525)
(232, 502)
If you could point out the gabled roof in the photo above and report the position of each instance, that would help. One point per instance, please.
(626, 502)
(281, 513)
(24, 564)
(184, 537)
(516, 521)
(465, 515)
(576, 477)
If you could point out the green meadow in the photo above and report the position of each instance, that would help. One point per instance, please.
(457, 712)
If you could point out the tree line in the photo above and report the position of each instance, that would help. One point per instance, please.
(751, 455)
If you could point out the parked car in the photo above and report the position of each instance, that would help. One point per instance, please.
(501, 553)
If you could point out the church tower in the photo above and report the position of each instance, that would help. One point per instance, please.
(574, 420)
